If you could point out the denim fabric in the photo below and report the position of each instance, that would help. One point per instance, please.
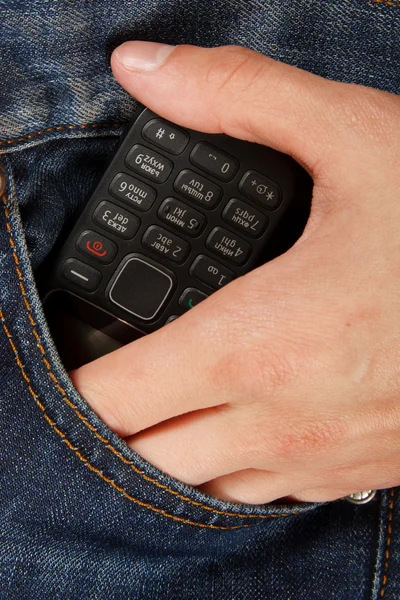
(83, 517)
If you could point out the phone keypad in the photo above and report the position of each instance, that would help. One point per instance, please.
(168, 247)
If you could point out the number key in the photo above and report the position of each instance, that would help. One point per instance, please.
(133, 192)
(165, 244)
(148, 163)
(197, 188)
(178, 215)
(228, 246)
(214, 161)
(211, 272)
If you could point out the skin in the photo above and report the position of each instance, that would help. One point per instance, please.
(285, 384)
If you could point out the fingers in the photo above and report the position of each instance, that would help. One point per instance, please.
(239, 92)
(196, 447)
(176, 370)
(250, 486)
(156, 377)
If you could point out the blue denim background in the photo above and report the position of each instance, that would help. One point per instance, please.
(82, 517)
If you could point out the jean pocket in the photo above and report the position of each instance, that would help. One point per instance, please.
(76, 426)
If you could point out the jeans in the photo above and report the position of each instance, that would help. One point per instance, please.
(82, 516)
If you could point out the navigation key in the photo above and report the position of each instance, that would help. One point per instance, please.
(190, 298)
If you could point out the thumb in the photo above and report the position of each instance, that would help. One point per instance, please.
(235, 91)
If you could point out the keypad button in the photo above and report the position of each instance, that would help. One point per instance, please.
(148, 163)
(116, 220)
(182, 217)
(197, 188)
(141, 287)
(191, 297)
(171, 318)
(133, 192)
(81, 274)
(211, 272)
(165, 244)
(259, 188)
(245, 218)
(228, 246)
(97, 246)
(165, 136)
(214, 161)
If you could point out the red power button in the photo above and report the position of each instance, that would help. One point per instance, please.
(97, 246)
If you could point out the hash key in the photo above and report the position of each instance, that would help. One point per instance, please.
(166, 136)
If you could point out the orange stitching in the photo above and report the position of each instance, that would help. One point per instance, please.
(386, 2)
(87, 463)
(59, 128)
(94, 430)
(388, 542)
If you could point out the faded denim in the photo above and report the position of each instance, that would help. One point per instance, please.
(83, 517)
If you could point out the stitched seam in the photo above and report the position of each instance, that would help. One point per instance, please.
(388, 543)
(85, 460)
(386, 2)
(58, 128)
(85, 420)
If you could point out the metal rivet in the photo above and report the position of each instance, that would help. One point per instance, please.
(361, 497)
(2, 181)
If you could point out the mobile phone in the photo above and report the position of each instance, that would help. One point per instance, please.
(177, 215)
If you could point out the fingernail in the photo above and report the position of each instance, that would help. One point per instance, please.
(143, 56)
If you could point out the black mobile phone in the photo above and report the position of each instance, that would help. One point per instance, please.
(177, 215)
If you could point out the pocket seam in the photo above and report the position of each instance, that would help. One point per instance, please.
(387, 548)
(84, 460)
(57, 128)
(387, 3)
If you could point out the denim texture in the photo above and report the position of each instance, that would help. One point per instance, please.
(82, 516)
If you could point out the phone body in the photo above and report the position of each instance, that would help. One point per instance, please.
(177, 215)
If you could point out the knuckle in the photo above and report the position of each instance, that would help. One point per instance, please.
(298, 438)
(236, 69)
(253, 375)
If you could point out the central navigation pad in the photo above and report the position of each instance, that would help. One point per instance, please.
(141, 287)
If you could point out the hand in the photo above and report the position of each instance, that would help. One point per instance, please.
(286, 383)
